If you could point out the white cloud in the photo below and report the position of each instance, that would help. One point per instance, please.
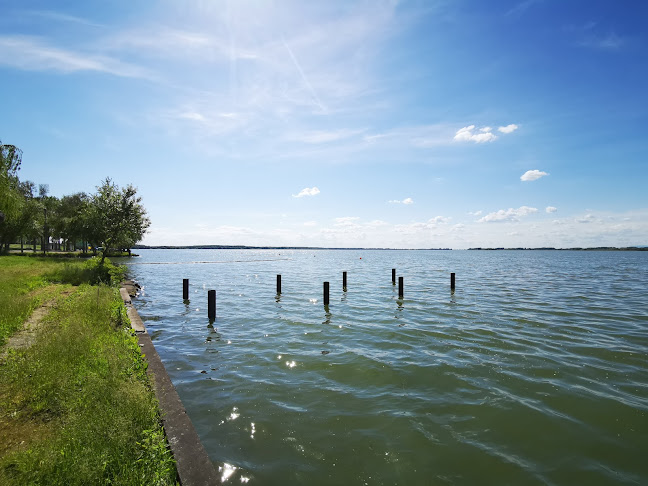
(466, 134)
(508, 214)
(310, 223)
(508, 128)
(532, 175)
(308, 191)
(480, 135)
(377, 223)
(475, 213)
(346, 221)
(31, 54)
(551, 209)
(407, 200)
(439, 220)
(192, 115)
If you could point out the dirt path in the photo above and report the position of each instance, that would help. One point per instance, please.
(26, 336)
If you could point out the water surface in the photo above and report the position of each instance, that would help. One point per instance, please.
(533, 371)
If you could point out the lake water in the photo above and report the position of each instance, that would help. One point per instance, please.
(533, 371)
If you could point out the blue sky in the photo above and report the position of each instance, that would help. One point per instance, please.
(373, 123)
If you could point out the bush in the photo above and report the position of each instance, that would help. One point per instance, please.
(92, 272)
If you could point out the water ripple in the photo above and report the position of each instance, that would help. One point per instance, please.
(533, 371)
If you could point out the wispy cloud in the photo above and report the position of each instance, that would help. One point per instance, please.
(522, 7)
(33, 54)
(61, 17)
(308, 191)
(532, 175)
(346, 221)
(307, 83)
(407, 200)
(594, 35)
(423, 226)
(609, 41)
(508, 214)
(551, 209)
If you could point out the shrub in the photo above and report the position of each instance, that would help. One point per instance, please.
(91, 271)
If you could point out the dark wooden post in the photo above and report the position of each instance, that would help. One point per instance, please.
(344, 281)
(452, 281)
(400, 287)
(393, 276)
(278, 284)
(185, 289)
(326, 293)
(211, 304)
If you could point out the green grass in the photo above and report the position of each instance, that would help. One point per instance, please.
(20, 280)
(76, 407)
(24, 284)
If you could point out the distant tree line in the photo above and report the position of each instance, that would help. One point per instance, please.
(112, 219)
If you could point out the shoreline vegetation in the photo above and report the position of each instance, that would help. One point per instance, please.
(76, 404)
(244, 247)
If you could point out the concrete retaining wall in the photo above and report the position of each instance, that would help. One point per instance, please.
(192, 462)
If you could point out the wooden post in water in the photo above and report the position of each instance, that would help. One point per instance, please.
(344, 281)
(185, 289)
(452, 281)
(393, 276)
(211, 304)
(278, 284)
(326, 293)
(400, 287)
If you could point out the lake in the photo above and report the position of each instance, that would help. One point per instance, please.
(533, 371)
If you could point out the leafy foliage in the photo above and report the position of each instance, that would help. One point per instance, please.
(10, 159)
(111, 219)
(92, 272)
(116, 217)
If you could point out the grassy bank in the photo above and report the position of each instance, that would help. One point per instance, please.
(76, 406)
(23, 286)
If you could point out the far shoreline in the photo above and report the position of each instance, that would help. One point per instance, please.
(245, 247)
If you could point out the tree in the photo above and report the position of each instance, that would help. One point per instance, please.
(10, 200)
(25, 223)
(116, 217)
(69, 223)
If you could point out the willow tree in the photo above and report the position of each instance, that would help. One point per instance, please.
(116, 218)
(10, 200)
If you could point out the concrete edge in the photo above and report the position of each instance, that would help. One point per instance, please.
(192, 461)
